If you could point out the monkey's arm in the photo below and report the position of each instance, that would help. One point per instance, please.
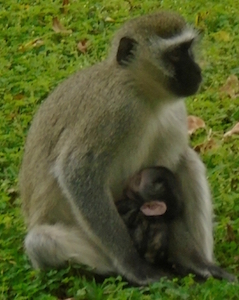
(96, 213)
(191, 237)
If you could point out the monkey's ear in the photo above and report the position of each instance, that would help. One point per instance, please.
(124, 53)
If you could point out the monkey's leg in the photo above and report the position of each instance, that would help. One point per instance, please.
(95, 212)
(54, 245)
(191, 236)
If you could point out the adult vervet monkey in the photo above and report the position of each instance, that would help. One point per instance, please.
(98, 128)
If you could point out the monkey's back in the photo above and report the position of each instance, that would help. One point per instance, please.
(74, 111)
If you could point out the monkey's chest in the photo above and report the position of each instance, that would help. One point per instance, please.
(160, 142)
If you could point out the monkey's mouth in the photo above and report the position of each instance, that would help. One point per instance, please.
(154, 208)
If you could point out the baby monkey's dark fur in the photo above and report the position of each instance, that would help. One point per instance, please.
(150, 233)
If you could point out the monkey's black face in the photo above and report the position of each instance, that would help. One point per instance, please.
(187, 73)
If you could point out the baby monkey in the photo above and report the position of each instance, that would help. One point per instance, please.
(152, 199)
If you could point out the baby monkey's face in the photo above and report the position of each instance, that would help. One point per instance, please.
(149, 188)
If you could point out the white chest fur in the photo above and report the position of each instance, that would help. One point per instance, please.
(161, 142)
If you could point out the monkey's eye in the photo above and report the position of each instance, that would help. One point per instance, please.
(137, 180)
(159, 187)
(175, 55)
(180, 51)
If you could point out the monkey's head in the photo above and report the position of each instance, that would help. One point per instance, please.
(156, 191)
(158, 48)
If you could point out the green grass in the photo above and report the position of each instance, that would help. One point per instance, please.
(34, 59)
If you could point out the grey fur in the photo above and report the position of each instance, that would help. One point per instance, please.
(94, 131)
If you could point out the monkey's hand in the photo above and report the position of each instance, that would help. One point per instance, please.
(205, 271)
(218, 273)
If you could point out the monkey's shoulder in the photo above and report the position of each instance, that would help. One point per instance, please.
(92, 95)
